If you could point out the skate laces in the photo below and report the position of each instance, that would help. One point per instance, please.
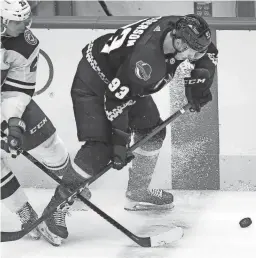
(26, 213)
(156, 192)
(60, 214)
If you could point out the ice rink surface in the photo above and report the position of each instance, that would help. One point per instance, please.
(210, 220)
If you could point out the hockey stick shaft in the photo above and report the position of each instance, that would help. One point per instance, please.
(142, 241)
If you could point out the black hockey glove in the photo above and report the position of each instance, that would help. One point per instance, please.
(16, 129)
(121, 156)
(197, 89)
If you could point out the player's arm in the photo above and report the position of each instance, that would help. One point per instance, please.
(17, 91)
(119, 97)
(197, 87)
(117, 101)
(137, 75)
(19, 85)
(133, 78)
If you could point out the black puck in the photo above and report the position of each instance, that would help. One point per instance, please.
(246, 222)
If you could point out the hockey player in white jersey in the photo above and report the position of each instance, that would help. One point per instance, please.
(20, 115)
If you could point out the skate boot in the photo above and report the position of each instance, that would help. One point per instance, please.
(54, 228)
(27, 217)
(153, 199)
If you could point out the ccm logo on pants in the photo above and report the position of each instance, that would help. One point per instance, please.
(38, 126)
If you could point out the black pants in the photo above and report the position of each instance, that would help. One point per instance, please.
(38, 126)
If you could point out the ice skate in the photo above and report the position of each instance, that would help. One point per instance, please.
(153, 199)
(27, 217)
(54, 229)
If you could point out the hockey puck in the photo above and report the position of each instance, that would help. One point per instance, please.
(246, 222)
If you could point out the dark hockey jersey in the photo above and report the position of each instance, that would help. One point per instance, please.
(19, 63)
(132, 63)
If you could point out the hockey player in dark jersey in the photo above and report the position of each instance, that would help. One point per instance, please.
(112, 100)
(23, 121)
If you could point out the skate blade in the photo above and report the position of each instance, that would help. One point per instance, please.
(48, 236)
(35, 234)
(142, 206)
(170, 237)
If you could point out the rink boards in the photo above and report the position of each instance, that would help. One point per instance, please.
(213, 150)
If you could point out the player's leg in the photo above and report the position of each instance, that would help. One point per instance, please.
(42, 139)
(12, 195)
(14, 198)
(144, 117)
(94, 130)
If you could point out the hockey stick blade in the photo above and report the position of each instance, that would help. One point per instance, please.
(165, 238)
(16, 235)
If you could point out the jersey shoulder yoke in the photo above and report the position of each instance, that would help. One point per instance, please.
(24, 44)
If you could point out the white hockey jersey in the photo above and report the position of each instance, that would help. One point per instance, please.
(19, 57)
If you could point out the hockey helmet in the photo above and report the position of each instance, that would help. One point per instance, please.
(194, 31)
(15, 10)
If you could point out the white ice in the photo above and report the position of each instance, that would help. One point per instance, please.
(210, 218)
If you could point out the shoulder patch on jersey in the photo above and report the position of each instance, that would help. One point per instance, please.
(143, 70)
(213, 58)
(147, 65)
(212, 54)
(20, 44)
(30, 38)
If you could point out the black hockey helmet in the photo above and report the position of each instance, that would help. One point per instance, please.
(194, 30)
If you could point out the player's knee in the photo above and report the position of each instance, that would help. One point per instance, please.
(93, 156)
(154, 144)
(55, 145)
(53, 154)
(50, 142)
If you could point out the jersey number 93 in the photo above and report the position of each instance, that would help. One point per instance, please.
(121, 91)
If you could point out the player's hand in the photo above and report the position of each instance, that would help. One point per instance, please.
(6, 148)
(16, 129)
(121, 157)
(197, 90)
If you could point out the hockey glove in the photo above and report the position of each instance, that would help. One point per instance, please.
(16, 129)
(121, 156)
(197, 89)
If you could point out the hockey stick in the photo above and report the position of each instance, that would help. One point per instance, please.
(172, 235)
